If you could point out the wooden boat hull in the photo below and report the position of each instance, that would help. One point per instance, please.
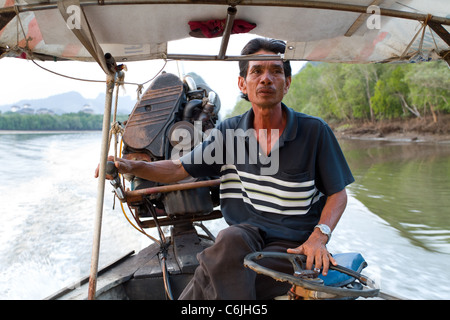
(139, 276)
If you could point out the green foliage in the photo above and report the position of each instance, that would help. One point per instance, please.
(240, 107)
(369, 91)
(430, 86)
(67, 121)
(389, 90)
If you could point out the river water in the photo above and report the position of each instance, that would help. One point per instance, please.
(397, 214)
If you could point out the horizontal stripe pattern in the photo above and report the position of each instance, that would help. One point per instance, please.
(268, 194)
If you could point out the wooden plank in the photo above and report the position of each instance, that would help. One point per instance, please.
(441, 31)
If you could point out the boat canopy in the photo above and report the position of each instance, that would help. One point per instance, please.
(349, 31)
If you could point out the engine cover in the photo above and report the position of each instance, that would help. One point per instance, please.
(146, 128)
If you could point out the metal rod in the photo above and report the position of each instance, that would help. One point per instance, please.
(231, 14)
(172, 187)
(201, 57)
(168, 221)
(110, 81)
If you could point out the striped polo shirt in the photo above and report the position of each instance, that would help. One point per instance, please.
(282, 193)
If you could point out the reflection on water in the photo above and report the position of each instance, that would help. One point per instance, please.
(407, 184)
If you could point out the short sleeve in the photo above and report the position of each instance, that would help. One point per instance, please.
(332, 171)
(206, 159)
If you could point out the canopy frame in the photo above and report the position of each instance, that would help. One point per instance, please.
(283, 3)
(436, 23)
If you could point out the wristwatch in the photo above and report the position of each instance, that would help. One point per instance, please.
(325, 230)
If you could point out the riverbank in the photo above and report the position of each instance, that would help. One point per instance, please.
(44, 131)
(414, 130)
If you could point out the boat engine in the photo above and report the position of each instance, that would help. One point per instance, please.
(171, 116)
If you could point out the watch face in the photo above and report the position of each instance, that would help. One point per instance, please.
(324, 229)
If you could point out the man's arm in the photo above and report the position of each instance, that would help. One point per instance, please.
(164, 171)
(315, 247)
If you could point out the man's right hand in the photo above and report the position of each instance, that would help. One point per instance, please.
(108, 177)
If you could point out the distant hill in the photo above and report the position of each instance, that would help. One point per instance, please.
(72, 102)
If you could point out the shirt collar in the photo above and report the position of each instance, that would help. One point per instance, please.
(290, 131)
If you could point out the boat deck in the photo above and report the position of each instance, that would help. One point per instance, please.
(139, 276)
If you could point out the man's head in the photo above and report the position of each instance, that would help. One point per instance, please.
(270, 45)
(264, 82)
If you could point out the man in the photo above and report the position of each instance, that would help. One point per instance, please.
(294, 208)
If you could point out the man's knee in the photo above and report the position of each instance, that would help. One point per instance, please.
(240, 234)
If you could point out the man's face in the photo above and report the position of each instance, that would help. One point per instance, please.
(265, 84)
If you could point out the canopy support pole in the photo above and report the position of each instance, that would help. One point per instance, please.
(110, 82)
(231, 14)
(444, 35)
(87, 38)
(441, 31)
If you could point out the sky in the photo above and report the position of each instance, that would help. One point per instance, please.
(21, 79)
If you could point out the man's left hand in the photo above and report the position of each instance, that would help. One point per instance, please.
(316, 252)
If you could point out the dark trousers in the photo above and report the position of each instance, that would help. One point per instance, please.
(222, 275)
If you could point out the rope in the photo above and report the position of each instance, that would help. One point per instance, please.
(116, 128)
(140, 228)
(140, 86)
(423, 30)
